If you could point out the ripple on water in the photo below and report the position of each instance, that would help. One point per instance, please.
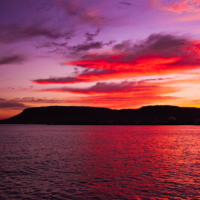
(99, 162)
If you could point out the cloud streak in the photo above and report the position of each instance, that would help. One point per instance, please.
(17, 32)
(4, 104)
(33, 100)
(137, 88)
(15, 59)
(25, 102)
(126, 3)
(119, 94)
(60, 80)
(99, 88)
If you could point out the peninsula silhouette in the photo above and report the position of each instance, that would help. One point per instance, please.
(148, 115)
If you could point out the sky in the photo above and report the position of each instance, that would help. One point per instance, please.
(116, 54)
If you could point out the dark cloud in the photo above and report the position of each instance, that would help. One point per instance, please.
(66, 80)
(126, 3)
(99, 87)
(11, 104)
(38, 100)
(90, 36)
(54, 47)
(20, 103)
(51, 45)
(60, 80)
(123, 46)
(103, 87)
(16, 32)
(86, 47)
(63, 48)
(93, 71)
(89, 44)
(156, 44)
(166, 45)
(76, 49)
(15, 59)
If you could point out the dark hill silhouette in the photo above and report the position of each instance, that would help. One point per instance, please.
(94, 115)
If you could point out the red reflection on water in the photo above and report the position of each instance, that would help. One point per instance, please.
(131, 161)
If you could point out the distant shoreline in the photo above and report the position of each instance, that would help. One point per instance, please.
(125, 124)
(148, 115)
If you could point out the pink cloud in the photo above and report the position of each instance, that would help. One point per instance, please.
(177, 6)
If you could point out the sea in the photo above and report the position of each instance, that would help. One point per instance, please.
(99, 162)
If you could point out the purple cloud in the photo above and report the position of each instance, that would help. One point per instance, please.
(16, 32)
(126, 3)
(60, 80)
(90, 36)
(4, 103)
(15, 59)
(106, 88)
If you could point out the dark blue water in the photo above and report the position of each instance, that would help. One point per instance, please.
(99, 162)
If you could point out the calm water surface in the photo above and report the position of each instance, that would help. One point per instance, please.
(99, 162)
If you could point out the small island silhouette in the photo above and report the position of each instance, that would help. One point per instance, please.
(72, 115)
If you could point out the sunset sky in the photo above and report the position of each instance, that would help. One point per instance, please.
(115, 54)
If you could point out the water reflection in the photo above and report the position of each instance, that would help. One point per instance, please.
(100, 162)
(158, 162)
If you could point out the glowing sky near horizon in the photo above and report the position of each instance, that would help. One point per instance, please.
(116, 54)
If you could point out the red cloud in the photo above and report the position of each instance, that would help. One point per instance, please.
(159, 54)
(119, 102)
(149, 65)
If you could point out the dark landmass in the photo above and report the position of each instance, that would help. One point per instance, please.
(148, 115)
